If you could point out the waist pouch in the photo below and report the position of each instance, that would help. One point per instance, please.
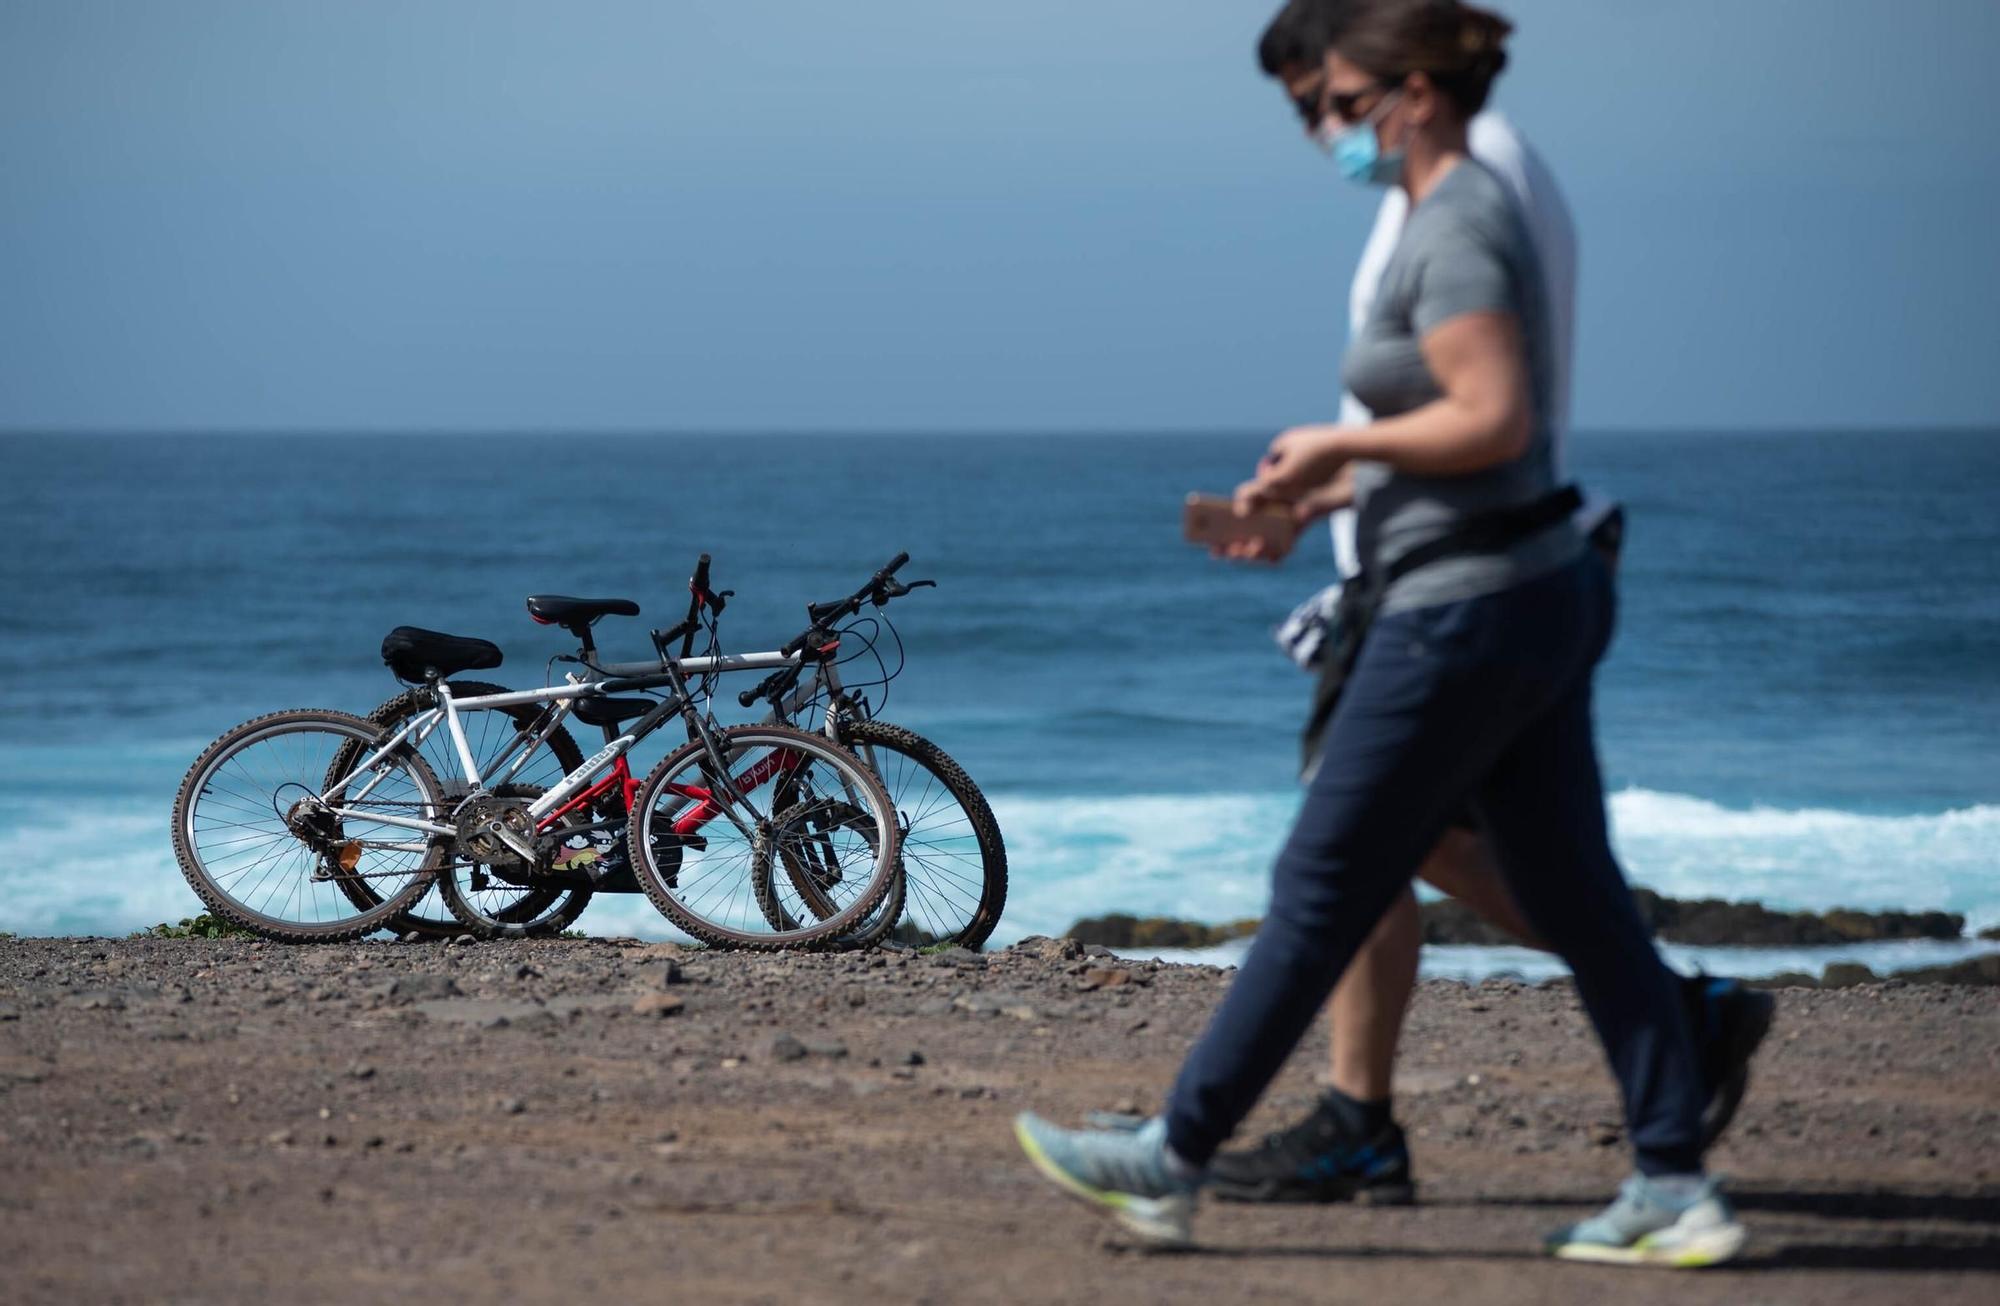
(1346, 626)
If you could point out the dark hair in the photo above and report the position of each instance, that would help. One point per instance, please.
(1459, 47)
(1300, 34)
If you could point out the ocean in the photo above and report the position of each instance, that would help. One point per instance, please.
(1802, 706)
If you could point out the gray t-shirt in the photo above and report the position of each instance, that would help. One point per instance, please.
(1464, 249)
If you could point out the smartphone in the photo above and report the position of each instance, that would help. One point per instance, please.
(1211, 520)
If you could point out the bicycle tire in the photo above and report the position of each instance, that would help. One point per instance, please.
(202, 778)
(431, 917)
(935, 893)
(801, 875)
(699, 918)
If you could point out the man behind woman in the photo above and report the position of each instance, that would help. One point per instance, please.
(1472, 686)
(1350, 1147)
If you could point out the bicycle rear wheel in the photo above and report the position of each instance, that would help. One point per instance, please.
(699, 839)
(954, 861)
(267, 842)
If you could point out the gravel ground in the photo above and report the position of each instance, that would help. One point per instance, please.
(196, 1120)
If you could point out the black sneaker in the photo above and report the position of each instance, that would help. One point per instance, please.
(1729, 1021)
(1318, 1160)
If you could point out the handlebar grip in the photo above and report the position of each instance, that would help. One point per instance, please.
(775, 683)
(700, 579)
(895, 565)
(662, 638)
(799, 642)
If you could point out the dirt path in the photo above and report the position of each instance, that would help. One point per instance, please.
(562, 1121)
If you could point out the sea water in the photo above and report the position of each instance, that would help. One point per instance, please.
(1802, 705)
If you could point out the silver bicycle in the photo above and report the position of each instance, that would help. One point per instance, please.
(953, 881)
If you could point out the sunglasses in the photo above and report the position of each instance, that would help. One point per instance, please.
(1345, 105)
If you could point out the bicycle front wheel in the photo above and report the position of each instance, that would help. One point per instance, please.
(267, 842)
(704, 840)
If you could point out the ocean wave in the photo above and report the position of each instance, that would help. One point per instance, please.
(1812, 858)
(1207, 857)
(105, 869)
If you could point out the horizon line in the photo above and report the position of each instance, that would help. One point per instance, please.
(909, 431)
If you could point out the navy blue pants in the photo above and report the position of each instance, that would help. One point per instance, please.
(1485, 701)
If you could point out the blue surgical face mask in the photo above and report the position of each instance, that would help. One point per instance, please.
(1357, 150)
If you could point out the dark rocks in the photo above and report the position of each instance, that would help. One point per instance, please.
(1451, 921)
(1785, 979)
(786, 1048)
(1119, 930)
(1974, 970)
(1705, 922)
(1977, 971)
(1710, 922)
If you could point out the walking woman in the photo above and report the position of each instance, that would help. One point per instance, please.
(1472, 685)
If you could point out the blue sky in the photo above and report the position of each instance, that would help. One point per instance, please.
(940, 214)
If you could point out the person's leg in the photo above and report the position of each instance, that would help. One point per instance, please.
(1415, 730)
(1398, 760)
(1543, 806)
(1727, 1020)
(1462, 866)
(1348, 1148)
(1369, 1002)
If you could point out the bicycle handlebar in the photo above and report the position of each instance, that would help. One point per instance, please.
(775, 683)
(881, 587)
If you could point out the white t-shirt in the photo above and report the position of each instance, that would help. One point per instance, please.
(1495, 143)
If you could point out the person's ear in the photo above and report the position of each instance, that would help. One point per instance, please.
(1420, 95)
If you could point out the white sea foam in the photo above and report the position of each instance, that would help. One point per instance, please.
(109, 868)
(1208, 857)
(97, 869)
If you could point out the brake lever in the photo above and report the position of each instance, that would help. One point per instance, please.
(894, 589)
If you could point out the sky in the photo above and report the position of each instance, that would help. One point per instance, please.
(937, 215)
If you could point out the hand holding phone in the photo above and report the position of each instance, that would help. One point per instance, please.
(1265, 534)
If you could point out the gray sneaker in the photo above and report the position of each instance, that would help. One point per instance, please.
(1123, 1173)
(1648, 1226)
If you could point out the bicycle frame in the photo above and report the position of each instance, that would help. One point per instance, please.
(565, 796)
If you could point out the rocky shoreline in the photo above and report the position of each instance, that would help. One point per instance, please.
(224, 1120)
(1703, 922)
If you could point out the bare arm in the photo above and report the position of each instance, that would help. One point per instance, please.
(1485, 417)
